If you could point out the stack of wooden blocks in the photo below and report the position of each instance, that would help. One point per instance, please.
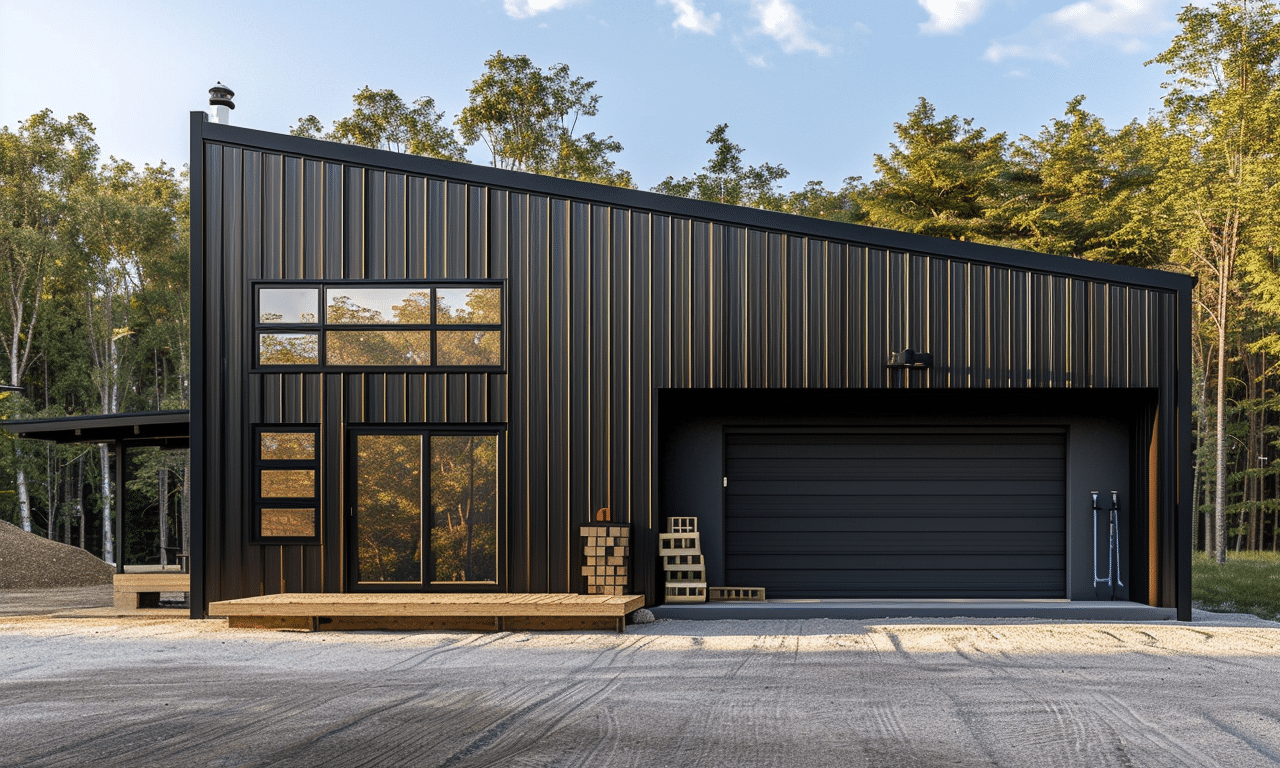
(606, 553)
(681, 552)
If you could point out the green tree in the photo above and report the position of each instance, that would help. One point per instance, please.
(1219, 170)
(943, 178)
(1085, 191)
(528, 117)
(844, 204)
(724, 179)
(39, 163)
(382, 120)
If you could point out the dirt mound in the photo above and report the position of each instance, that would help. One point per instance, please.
(28, 561)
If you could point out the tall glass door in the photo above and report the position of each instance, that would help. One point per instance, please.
(424, 510)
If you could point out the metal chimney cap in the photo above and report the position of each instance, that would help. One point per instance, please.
(220, 96)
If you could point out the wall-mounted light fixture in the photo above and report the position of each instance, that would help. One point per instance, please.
(909, 358)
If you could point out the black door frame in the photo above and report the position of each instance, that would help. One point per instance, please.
(349, 575)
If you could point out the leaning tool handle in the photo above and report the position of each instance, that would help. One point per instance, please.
(1096, 578)
(1115, 537)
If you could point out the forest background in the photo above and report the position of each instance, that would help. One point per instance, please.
(94, 254)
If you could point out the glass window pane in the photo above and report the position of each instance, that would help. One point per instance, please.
(464, 507)
(370, 347)
(389, 508)
(468, 348)
(469, 305)
(285, 446)
(288, 349)
(349, 304)
(288, 305)
(288, 483)
(288, 522)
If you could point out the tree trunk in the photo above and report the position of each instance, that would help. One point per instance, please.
(24, 498)
(108, 547)
(1220, 436)
(80, 497)
(186, 506)
(164, 515)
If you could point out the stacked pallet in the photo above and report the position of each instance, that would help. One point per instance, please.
(682, 564)
(606, 550)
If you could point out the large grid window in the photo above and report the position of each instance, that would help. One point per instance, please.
(395, 326)
(286, 471)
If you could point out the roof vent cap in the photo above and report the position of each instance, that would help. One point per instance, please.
(220, 104)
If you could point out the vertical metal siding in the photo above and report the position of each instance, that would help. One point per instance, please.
(604, 306)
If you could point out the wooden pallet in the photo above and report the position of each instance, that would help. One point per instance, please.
(474, 612)
(689, 592)
(734, 594)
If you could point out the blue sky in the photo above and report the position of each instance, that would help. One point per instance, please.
(813, 85)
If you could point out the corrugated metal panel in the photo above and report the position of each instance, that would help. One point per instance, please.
(605, 304)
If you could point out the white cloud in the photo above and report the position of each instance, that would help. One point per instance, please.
(1104, 18)
(524, 9)
(690, 17)
(1125, 25)
(998, 52)
(781, 20)
(947, 17)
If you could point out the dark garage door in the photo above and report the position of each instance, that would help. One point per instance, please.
(907, 514)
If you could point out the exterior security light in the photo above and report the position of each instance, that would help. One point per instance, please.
(909, 358)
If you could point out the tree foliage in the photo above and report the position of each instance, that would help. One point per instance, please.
(382, 120)
(527, 118)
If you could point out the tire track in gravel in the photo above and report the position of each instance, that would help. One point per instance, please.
(518, 731)
(1269, 751)
(1059, 727)
(1130, 728)
(135, 743)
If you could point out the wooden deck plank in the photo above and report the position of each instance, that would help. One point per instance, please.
(429, 605)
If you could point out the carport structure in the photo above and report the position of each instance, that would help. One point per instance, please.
(168, 430)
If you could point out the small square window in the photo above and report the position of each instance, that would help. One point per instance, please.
(292, 522)
(288, 349)
(289, 305)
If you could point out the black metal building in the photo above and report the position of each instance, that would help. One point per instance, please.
(416, 375)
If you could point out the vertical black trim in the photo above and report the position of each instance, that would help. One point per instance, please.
(1179, 463)
(199, 599)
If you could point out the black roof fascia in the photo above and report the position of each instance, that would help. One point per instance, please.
(169, 429)
(874, 237)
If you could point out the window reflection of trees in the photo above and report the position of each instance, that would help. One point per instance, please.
(464, 500)
(366, 306)
(288, 349)
(474, 306)
(389, 504)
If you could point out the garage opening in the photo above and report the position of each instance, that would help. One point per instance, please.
(971, 512)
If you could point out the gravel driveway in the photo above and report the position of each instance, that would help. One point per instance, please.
(76, 692)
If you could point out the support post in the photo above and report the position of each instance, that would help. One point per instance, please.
(119, 493)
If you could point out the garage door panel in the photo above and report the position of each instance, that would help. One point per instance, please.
(898, 584)
(906, 470)
(900, 543)
(895, 444)
(872, 514)
(791, 507)
(918, 487)
(934, 561)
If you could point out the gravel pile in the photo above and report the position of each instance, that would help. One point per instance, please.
(28, 561)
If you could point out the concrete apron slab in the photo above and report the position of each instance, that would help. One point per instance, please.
(1062, 610)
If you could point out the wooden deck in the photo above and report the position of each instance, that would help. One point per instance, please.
(472, 612)
(141, 589)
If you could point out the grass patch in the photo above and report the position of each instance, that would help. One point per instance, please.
(1249, 582)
